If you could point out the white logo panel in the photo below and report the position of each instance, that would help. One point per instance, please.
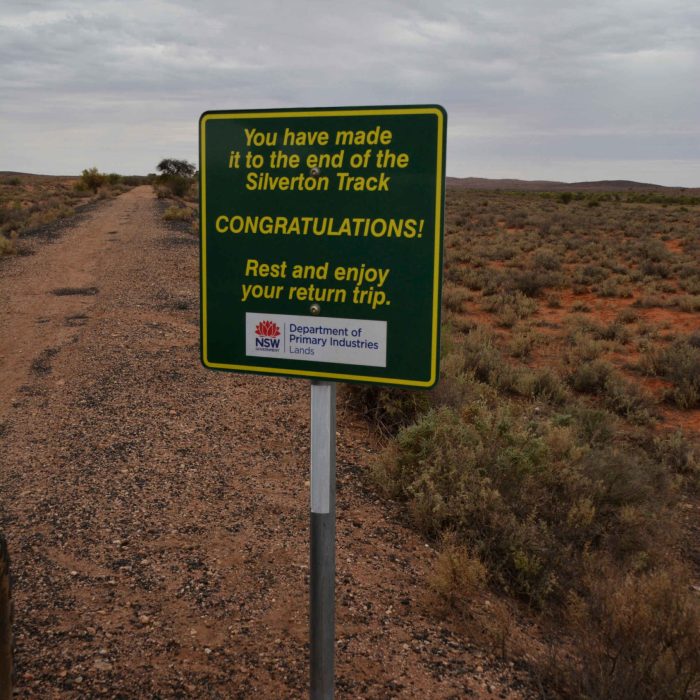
(346, 341)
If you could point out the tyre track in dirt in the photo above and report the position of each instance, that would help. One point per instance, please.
(157, 512)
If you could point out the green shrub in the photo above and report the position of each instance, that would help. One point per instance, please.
(655, 251)
(611, 288)
(177, 176)
(135, 180)
(457, 575)
(628, 315)
(549, 387)
(690, 280)
(532, 282)
(627, 399)
(453, 298)
(679, 454)
(648, 301)
(522, 344)
(546, 259)
(177, 214)
(477, 354)
(637, 636)
(7, 245)
(591, 274)
(595, 427)
(620, 396)
(528, 503)
(615, 331)
(388, 409)
(92, 179)
(591, 377)
(177, 185)
(661, 270)
(480, 355)
(689, 303)
(680, 364)
(475, 279)
(510, 307)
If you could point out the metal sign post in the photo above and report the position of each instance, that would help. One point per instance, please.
(321, 257)
(322, 585)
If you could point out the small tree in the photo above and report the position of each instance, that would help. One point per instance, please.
(173, 167)
(176, 175)
(565, 197)
(92, 179)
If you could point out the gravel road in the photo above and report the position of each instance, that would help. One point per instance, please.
(157, 512)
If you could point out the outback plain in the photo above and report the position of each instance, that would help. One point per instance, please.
(528, 529)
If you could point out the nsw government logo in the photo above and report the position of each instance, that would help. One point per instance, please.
(267, 336)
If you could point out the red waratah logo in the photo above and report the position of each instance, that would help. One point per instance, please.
(267, 329)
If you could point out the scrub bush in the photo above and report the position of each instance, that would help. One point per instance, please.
(453, 298)
(176, 176)
(680, 364)
(529, 500)
(7, 245)
(510, 307)
(532, 282)
(177, 185)
(92, 179)
(638, 637)
(177, 214)
(386, 409)
(618, 395)
(527, 463)
(458, 575)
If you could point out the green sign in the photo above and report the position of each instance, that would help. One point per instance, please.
(321, 242)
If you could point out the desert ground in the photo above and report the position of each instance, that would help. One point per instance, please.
(530, 528)
(157, 512)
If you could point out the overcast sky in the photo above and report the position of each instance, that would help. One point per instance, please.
(536, 89)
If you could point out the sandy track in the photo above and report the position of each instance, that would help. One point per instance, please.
(157, 512)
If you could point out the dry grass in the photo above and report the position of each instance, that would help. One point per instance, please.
(565, 428)
(176, 213)
(28, 202)
(458, 574)
(181, 197)
(637, 637)
(524, 264)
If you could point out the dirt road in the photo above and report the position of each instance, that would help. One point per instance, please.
(157, 512)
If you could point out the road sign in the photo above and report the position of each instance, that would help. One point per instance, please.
(321, 242)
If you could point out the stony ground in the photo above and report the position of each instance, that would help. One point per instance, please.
(157, 512)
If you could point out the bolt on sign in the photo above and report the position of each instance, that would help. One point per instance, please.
(321, 242)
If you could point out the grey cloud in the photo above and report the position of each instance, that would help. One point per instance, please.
(601, 81)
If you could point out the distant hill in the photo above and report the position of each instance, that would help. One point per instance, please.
(15, 173)
(482, 183)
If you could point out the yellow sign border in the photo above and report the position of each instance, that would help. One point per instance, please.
(360, 112)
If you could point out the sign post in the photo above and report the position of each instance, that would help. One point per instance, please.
(321, 258)
(322, 573)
